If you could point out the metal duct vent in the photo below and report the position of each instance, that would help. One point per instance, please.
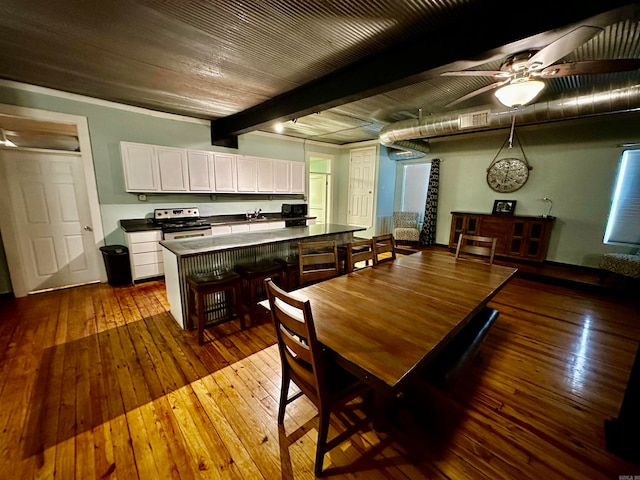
(409, 134)
(473, 120)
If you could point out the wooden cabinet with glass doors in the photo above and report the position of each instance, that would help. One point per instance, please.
(521, 237)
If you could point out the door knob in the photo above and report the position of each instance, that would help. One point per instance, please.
(88, 228)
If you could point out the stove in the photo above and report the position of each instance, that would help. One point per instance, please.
(177, 223)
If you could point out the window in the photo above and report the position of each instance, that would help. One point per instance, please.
(623, 225)
(415, 182)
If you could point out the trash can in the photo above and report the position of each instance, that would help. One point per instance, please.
(116, 262)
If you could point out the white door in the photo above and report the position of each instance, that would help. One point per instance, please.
(318, 196)
(362, 170)
(51, 218)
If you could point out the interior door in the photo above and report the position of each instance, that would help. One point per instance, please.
(362, 169)
(318, 196)
(51, 218)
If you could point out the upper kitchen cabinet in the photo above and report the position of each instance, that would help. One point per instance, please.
(200, 168)
(224, 173)
(140, 165)
(247, 171)
(172, 165)
(152, 168)
(298, 177)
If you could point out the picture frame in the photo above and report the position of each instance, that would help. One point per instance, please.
(504, 207)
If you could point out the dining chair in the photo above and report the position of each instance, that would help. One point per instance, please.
(358, 251)
(477, 245)
(304, 361)
(384, 248)
(318, 261)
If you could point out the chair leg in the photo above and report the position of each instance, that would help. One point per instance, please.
(237, 295)
(323, 431)
(284, 392)
(200, 307)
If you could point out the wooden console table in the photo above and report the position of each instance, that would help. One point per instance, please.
(521, 237)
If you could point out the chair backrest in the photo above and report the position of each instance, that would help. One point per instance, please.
(477, 245)
(405, 219)
(317, 261)
(300, 351)
(384, 248)
(359, 251)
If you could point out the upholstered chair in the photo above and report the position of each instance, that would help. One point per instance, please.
(405, 227)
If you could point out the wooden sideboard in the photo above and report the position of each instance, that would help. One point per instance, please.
(522, 237)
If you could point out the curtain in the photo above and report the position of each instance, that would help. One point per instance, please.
(428, 233)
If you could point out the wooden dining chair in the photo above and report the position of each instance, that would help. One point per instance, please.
(359, 251)
(384, 248)
(318, 261)
(304, 362)
(477, 245)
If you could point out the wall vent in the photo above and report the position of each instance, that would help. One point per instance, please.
(473, 120)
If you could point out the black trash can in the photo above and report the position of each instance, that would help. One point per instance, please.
(116, 262)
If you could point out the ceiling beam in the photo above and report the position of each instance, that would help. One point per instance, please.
(479, 30)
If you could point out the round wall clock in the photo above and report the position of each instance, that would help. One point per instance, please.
(507, 174)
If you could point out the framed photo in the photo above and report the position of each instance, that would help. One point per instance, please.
(504, 207)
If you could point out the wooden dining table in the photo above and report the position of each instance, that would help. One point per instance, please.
(385, 323)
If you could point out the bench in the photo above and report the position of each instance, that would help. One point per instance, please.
(445, 370)
(626, 264)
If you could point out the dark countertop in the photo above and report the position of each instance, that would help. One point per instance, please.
(145, 224)
(200, 245)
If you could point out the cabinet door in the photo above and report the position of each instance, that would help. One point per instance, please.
(265, 175)
(140, 166)
(298, 180)
(247, 174)
(200, 168)
(172, 163)
(281, 176)
(224, 172)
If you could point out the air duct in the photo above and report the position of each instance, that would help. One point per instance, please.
(410, 134)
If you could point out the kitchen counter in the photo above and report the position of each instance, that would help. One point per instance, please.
(205, 254)
(199, 245)
(145, 224)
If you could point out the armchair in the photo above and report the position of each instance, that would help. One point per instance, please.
(405, 227)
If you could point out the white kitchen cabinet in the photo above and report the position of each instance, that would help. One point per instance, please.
(224, 173)
(298, 178)
(145, 254)
(220, 229)
(281, 176)
(264, 167)
(240, 228)
(200, 168)
(264, 225)
(172, 165)
(140, 165)
(246, 174)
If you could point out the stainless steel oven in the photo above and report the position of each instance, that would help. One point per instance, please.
(180, 223)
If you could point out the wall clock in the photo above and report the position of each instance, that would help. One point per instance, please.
(507, 174)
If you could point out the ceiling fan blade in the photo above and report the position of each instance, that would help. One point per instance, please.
(488, 88)
(590, 67)
(476, 73)
(562, 47)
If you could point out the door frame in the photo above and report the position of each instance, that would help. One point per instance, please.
(7, 221)
(329, 178)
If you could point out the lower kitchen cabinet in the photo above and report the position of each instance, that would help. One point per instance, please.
(145, 254)
(521, 237)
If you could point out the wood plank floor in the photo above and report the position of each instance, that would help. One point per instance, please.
(99, 382)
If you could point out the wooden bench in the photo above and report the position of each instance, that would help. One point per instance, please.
(445, 370)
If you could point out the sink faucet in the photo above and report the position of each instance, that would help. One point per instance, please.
(257, 212)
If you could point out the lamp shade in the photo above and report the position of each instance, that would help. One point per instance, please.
(519, 93)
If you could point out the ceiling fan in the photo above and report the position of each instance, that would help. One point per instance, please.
(519, 80)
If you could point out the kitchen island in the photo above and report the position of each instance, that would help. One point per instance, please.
(223, 252)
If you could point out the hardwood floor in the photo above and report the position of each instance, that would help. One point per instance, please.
(100, 382)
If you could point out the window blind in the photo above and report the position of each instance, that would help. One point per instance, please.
(623, 225)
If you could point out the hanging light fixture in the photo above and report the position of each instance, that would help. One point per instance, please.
(519, 92)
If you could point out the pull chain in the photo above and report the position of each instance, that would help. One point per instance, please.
(513, 129)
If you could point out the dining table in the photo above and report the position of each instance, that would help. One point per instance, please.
(385, 323)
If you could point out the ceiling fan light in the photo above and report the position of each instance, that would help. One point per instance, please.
(519, 93)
